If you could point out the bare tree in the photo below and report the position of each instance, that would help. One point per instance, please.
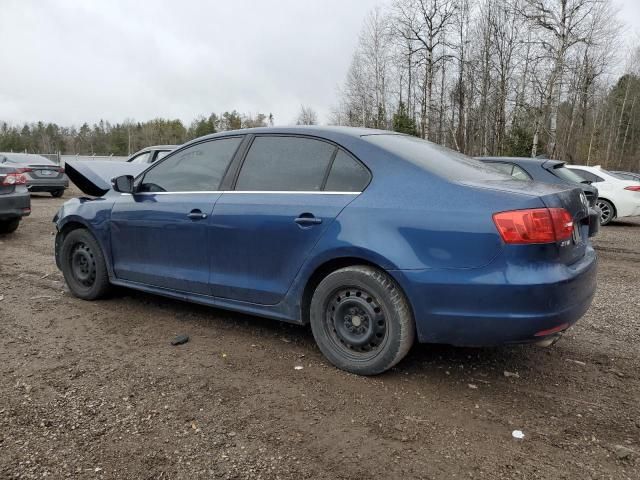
(307, 116)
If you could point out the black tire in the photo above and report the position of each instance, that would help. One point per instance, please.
(9, 226)
(607, 211)
(83, 265)
(384, 332)
(57, 193)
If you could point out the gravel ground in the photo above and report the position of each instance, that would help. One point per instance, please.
(95, 390)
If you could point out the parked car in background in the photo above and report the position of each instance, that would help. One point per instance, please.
(627, 175)
(372, 237)
(542, 170)
(15, 200)
(617, 198)
(42, 174)
(151, 154)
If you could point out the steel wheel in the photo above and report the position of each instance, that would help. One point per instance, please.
(606, 211)
(83, 264)
(355, 322)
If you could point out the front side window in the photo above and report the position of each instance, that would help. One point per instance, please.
(346, 175)
(142, 158)
(197, 168)
(285, 164)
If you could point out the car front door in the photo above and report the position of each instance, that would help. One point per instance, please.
(288, 191)
(160, 234)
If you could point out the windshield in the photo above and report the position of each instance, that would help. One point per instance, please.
(563, 172)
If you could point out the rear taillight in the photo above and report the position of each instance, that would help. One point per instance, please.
(14, 179)
(633, 188)
(61, 169)
(536, 225)
(24, 170)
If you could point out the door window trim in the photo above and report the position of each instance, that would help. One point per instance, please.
(140, 178)
(241, 160)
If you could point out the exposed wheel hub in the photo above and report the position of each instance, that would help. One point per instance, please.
(356, 320)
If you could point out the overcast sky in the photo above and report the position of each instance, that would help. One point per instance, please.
(71, 61)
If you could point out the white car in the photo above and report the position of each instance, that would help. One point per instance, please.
(617, 198)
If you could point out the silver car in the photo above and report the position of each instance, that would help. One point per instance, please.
(151, 154)
(42, 174)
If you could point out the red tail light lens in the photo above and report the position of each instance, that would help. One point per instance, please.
(536, 225)
(24, 170)
(61, 169)
(14, 179)
(633, 188)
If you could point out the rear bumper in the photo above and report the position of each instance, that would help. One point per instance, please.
(501, 303)
(47, 184)
(14, 205)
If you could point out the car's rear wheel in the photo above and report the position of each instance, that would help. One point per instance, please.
(361, 320)
(83, 265)
(57, 193)
(9, 226)
(607, 211)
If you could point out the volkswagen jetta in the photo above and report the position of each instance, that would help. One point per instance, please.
(373, 238)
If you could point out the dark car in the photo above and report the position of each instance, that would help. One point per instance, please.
(542, 170)
(15, 201)
(151, 154)
(373, 238)
(627, 175)
(42, 174)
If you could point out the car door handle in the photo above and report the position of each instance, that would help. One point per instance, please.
(196, 215)
(308, 219)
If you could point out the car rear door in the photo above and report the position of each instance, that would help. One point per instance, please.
(160, 234)
(283, 200)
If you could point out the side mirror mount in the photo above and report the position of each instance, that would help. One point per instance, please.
(588, 182)
(123, 184)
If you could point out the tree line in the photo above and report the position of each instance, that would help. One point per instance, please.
(499, 77)
(105, 138)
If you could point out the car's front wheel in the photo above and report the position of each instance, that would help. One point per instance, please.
(607, 211)
(361, 320)
(9, 226)
(83, 265)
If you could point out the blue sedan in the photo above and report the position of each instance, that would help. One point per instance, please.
(375, 239)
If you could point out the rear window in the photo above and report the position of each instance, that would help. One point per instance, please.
(436, 159)
(564, 173)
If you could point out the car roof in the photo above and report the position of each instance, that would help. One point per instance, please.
(27, 158)
(314, 130)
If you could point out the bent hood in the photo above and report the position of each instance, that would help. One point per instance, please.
(93, 177)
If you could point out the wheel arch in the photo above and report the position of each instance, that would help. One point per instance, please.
(71, 224)
(326, 268)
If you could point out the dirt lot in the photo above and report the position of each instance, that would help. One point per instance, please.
(94, 390)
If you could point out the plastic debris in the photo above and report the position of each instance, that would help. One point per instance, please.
(511, 374)
(517, 434)
(298, 367)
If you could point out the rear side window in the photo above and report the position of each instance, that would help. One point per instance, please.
(195, 169)
(285, 164)
(346, 175)
(512, 170)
